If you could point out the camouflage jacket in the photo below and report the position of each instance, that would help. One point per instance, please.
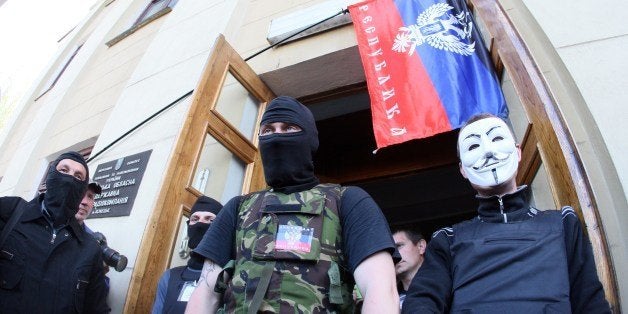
(289, 256)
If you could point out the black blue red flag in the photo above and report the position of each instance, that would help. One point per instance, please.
(426, 66)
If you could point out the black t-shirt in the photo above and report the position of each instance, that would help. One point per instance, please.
(365, 230)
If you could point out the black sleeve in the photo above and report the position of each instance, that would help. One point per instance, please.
(97, 290)
(430, 290)
(365, 230)
(7, 206)
(218, 242)
(586, 291)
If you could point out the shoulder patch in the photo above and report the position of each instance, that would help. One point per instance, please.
(533, 211)
(448, 231)
(567, 210)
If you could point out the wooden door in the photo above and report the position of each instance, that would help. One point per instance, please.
(216, 154)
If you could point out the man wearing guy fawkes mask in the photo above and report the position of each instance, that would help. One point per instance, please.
(275, 236)
(48, 263)
(511, 258)
(176, 284)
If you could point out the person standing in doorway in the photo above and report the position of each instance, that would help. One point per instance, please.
(411, 246)
(176, 284)
(512, 257)
(298, 246)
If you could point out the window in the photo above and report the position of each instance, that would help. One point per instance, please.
(181, 251)
(155, 8)
(59, 72)
(219, 173)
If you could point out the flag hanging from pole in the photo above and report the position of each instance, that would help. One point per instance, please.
(427, 70)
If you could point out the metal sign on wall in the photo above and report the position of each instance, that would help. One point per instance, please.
(120, 179)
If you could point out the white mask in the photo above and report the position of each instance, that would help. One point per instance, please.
(488, 153)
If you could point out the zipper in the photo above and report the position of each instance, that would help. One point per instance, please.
(80, 283)
(501, 208)
(54, 236)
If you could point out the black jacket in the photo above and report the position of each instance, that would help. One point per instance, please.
(48, 271)
(436, 286)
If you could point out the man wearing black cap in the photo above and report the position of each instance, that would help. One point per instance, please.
(87, 204)
(298, 246)
(176, 284)
(48, 263)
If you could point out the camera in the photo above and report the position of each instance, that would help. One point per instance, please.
(111, 257)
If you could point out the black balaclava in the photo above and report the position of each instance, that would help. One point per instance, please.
(288, 157)
(197, 230)
(64, 192)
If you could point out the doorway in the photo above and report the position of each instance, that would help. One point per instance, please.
(416, 184)
(333, 86)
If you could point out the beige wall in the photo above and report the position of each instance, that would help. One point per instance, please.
(248, 35)
(591, 39)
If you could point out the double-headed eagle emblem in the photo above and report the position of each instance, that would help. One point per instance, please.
(440, 29)
(293, 235)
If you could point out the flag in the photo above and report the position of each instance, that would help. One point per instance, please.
(427, 69)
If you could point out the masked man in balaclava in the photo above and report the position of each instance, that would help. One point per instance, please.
(176, 284)
(512, 257)
(48, 263)
(300, 245)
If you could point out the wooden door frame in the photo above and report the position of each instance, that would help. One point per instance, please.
(176, 193)
(547, 140)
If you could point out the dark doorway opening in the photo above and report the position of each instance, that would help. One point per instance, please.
(417, 184)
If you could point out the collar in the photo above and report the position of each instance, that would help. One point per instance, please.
(79, 232)
(35, 210)
(195, 262)
(400, 287)
(508, 208)
(297, 188)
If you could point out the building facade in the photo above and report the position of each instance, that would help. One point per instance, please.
(167, 79)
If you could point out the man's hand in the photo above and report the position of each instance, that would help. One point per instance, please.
(204, 299)
(375, 278)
